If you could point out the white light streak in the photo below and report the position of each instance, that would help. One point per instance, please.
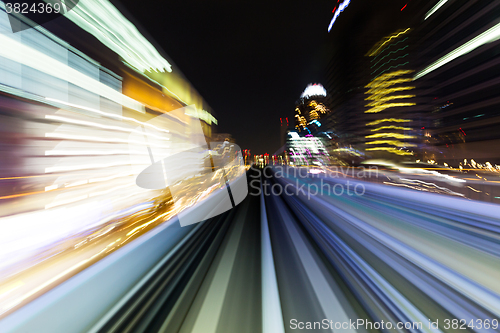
(110, 190)
(104, 179)
(92, 124)
(78, 183)
(66, 201)
(107, 114)
(101, 19)
(28, 56)
(435, 8)
(51, 187)
(88, 166)
(92, 152)
(488, 36)
(98, 139)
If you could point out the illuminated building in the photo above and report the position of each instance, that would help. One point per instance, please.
(266, 158)
(458, 67)
(308, 143)
(350, 70)
(81, 97)
(453, 51)
(306, 150)
(311, 106)
(247, 156)
(123, 72)
(390, 98)
(87, 106)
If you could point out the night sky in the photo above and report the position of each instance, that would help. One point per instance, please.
(251, 60)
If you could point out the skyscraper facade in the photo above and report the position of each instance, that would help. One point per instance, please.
(389, 98)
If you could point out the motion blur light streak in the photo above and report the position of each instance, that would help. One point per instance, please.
(380, 96)
(486, 37)
(381, 100)
(390, 135)
(388, 48)
(376, 122)
(392, 67)
(382, 107)
(435, 8)
(272, 317)
(390, 150)
(99, 139)
(123, 208)
(391, 127)
(376, 49)
(381, 82)
(30, 57)
(388, 61)
(391, 142)
(101, 19)
(341, 8)
(388, 54)
(110, 115)
(91, 152)
(92, 124)
(67, 201)
(75, 127)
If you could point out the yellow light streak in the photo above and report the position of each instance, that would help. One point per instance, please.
(393, 120)
(378, 92)
(386, 76)
(392, 143)
(391, 150)
(473, 189)
(376, 51)
(390, 135)
(382, 100)
(391, 127)
(142, 226)
(384, 83)
(382, 107)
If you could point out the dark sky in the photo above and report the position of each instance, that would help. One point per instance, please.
(251, 60)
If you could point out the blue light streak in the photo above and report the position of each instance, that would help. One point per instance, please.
(341, 8)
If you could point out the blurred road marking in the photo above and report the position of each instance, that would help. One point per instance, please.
(208, 316)
(272, 317)
(330, 304)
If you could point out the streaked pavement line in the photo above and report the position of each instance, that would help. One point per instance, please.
(207, 317)
(330, 304)
(272, 317)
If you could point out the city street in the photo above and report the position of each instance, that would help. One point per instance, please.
(249, 166)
